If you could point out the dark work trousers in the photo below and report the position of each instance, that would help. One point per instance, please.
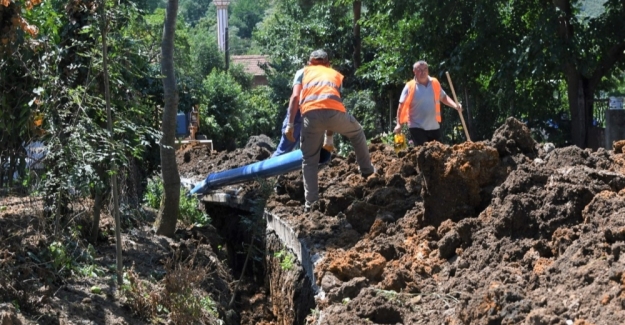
(421, 136)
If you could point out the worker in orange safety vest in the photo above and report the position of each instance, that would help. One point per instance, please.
(419, 106)
(319, 100)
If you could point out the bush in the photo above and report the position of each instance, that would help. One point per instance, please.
(154, 193)
(221, 110)
(190, 213)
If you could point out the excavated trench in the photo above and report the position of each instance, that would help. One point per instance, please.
(279, 263)
(504, 231)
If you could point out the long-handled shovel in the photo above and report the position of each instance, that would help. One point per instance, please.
(464, 126)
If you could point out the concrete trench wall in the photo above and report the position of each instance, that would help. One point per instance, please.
(293, 290)
(292, 295)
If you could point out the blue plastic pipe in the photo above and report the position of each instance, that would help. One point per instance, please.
(262, 169)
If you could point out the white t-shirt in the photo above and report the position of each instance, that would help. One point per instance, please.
(299, 76)
(423, 108)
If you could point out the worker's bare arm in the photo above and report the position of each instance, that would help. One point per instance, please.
(294, 102)
(450, 102)
(397, 128)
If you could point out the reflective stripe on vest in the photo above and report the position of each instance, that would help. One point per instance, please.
(405, 107)
(320, 89)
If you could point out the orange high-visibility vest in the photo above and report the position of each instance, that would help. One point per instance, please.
(405, 107)
(320, 89)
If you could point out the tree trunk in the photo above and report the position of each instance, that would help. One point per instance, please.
(581, 106)
(168, 213)
(114, 169)
(357, 8)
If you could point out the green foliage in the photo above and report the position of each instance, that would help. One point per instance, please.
(222, 110)
(68, 258)
(362, 106)
(245, 14)
(90, 270)
(190, 212)
(68, 93)
(59, 257)
(386, 138)
(153, 192)
(523, 73)
(147, 33)
(194, 10)
(16, 304)
(241, 77)
(209, 305)
(344, 147)
(292, 32)
(17, 87)
(262, 115)
(151, 5)
(286, 258)
(205, 53)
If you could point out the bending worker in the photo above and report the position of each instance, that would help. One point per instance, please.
(286, 145)
(419, 106)
(318, 99)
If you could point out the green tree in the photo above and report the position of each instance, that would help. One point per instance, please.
(194, 10)
(66, 87)
(588, 50)
(532, 47)
(205, 53)
(221, 110)
(17, 109)
(245, 14)
(260, 113)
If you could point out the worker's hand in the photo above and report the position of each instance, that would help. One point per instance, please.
(397, 129)
(459, 107)
(288, 133)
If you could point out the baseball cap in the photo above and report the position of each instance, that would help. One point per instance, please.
(319, 55)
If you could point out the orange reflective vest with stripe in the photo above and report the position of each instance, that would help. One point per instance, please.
(320, 89)
(405, 107)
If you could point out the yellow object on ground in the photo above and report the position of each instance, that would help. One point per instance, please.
(399, 142)
(38, 119)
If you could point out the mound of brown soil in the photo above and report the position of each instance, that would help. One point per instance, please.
(505, 231)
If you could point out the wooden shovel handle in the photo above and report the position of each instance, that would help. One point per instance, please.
(464, 126)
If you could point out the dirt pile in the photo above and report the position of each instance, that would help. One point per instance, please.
(196, 162)
(506, 231)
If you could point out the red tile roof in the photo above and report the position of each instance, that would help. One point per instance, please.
(250, 63)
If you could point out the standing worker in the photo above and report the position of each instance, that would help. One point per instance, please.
(319, 100)
(419, 106)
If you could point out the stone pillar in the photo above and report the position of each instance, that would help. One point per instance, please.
(614, 126)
